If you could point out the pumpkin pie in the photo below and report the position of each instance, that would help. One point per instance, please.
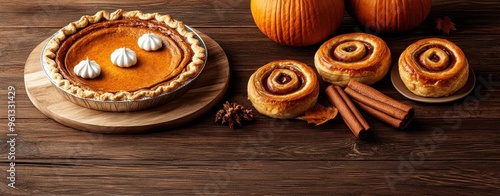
(123, 56)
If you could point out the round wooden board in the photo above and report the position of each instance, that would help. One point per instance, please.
(208, 90)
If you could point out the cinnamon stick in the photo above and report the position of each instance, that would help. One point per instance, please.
(379, 96)
(380, 106)
(351, 119)
(352, 107)
(394, 122)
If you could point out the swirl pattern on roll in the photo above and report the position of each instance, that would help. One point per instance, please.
(359, 56)
(433, 67)
(283, 89)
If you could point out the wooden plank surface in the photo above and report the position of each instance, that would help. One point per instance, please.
(450, 149)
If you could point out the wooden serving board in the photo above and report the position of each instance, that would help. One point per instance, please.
(206, 92)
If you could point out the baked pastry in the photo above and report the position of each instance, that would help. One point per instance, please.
(354, 56)
(433, 67)
(283, 89)
(137, 55)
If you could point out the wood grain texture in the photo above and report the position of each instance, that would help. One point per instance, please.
(449, 149)
(242, 178)
(203, 94)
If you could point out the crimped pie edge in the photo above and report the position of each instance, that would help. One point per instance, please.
(192, 69)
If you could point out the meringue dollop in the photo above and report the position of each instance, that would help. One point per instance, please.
(149, 42)
(87, 69)
(124, 57)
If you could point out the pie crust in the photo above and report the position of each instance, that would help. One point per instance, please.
(179, 61)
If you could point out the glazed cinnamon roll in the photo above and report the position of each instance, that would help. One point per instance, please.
(283, 89)
(433, 67)
(358, 56)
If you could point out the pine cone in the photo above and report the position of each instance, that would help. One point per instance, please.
(233, 113)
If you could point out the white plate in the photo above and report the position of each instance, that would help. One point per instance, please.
(400, 86)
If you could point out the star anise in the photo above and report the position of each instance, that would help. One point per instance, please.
(233, 113)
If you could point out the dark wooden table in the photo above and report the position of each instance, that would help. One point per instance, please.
(450, 149)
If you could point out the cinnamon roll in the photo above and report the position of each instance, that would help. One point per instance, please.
(283, 89)
(355, 56)
(433, 67)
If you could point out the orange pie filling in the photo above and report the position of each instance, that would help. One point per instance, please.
(123, 55)
(98, 41)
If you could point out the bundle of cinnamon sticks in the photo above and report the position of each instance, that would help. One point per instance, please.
(373, 102)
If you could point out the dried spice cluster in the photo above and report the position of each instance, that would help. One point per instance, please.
(233, 113)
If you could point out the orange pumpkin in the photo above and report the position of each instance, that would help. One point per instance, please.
(297, 22)
(389, 15)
